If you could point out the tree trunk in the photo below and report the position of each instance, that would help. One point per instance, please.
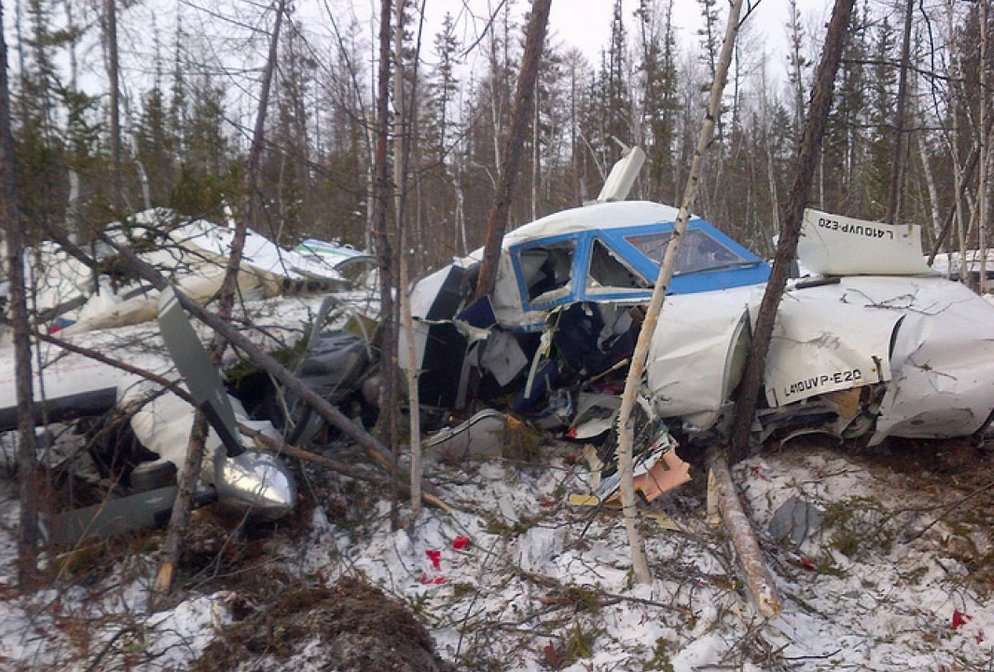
(110, 19)
(384, 249)
(900, 132)
(797, 198)
(933, 192)
(633, 382)
(722, 496)
(983, 186)
(389, 410)
(27, 539)
(189, 475)
(961, 181)
(523, 100)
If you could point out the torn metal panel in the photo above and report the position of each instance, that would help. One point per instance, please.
(595, 415)
(482, 435)
(440, 347)
(697, 355)
(943, 362)
(655, 470)
(503, 357)
(836, 245)
(826, 338)
(622, 176)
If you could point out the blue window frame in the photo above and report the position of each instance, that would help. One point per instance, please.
(621, 264)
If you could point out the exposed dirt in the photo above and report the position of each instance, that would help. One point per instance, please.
(351, 626)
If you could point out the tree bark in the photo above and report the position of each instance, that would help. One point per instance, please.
(389, 410)
(928, 175)
(900, 155)
(523, 101)
(401, 148)
(110, 20)
(10, 211)
(633, 382)
(983, 186)
(761, 586)
(797, 198)
(387, 422)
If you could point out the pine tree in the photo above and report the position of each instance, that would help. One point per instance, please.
(797, 67)
(882, 98)
(845, 135)
(441, 92)
(658, 72)
(156, 145)
(617, 110)
(207, 173)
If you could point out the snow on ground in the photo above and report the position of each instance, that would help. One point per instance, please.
(524, 582)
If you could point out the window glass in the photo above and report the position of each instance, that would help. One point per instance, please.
(698, 251)
(608, 270)
(546, 269)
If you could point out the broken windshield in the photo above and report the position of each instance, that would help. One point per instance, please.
(699, 251)
(546, 269)
(608, 270)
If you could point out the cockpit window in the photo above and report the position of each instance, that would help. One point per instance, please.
(546, 269)
(609, 271)
(698, 251)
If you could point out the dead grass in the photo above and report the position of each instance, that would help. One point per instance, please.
(358, 628)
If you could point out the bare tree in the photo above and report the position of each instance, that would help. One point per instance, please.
(110, 27)
(984, 138)
(523, 101)
(382, 190)
(900, 156)
(633, 382)
(195, 449)
(27, 540)
(797, 198)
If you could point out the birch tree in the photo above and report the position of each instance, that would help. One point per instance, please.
(633, 381)
(523, 100)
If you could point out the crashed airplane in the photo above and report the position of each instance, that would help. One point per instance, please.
(869, 342)
(116, 316)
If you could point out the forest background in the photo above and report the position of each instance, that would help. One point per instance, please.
(175, 131)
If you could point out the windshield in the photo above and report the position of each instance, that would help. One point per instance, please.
(698, 252)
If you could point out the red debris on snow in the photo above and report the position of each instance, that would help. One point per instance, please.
(460, 542)
(553, 658)
(435, 556)
(959, 619)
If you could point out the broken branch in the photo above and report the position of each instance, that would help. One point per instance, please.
(278, 445)
(760, 583)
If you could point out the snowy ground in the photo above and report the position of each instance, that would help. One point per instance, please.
(897, 578)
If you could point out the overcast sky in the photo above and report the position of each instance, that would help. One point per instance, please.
(586, 24)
